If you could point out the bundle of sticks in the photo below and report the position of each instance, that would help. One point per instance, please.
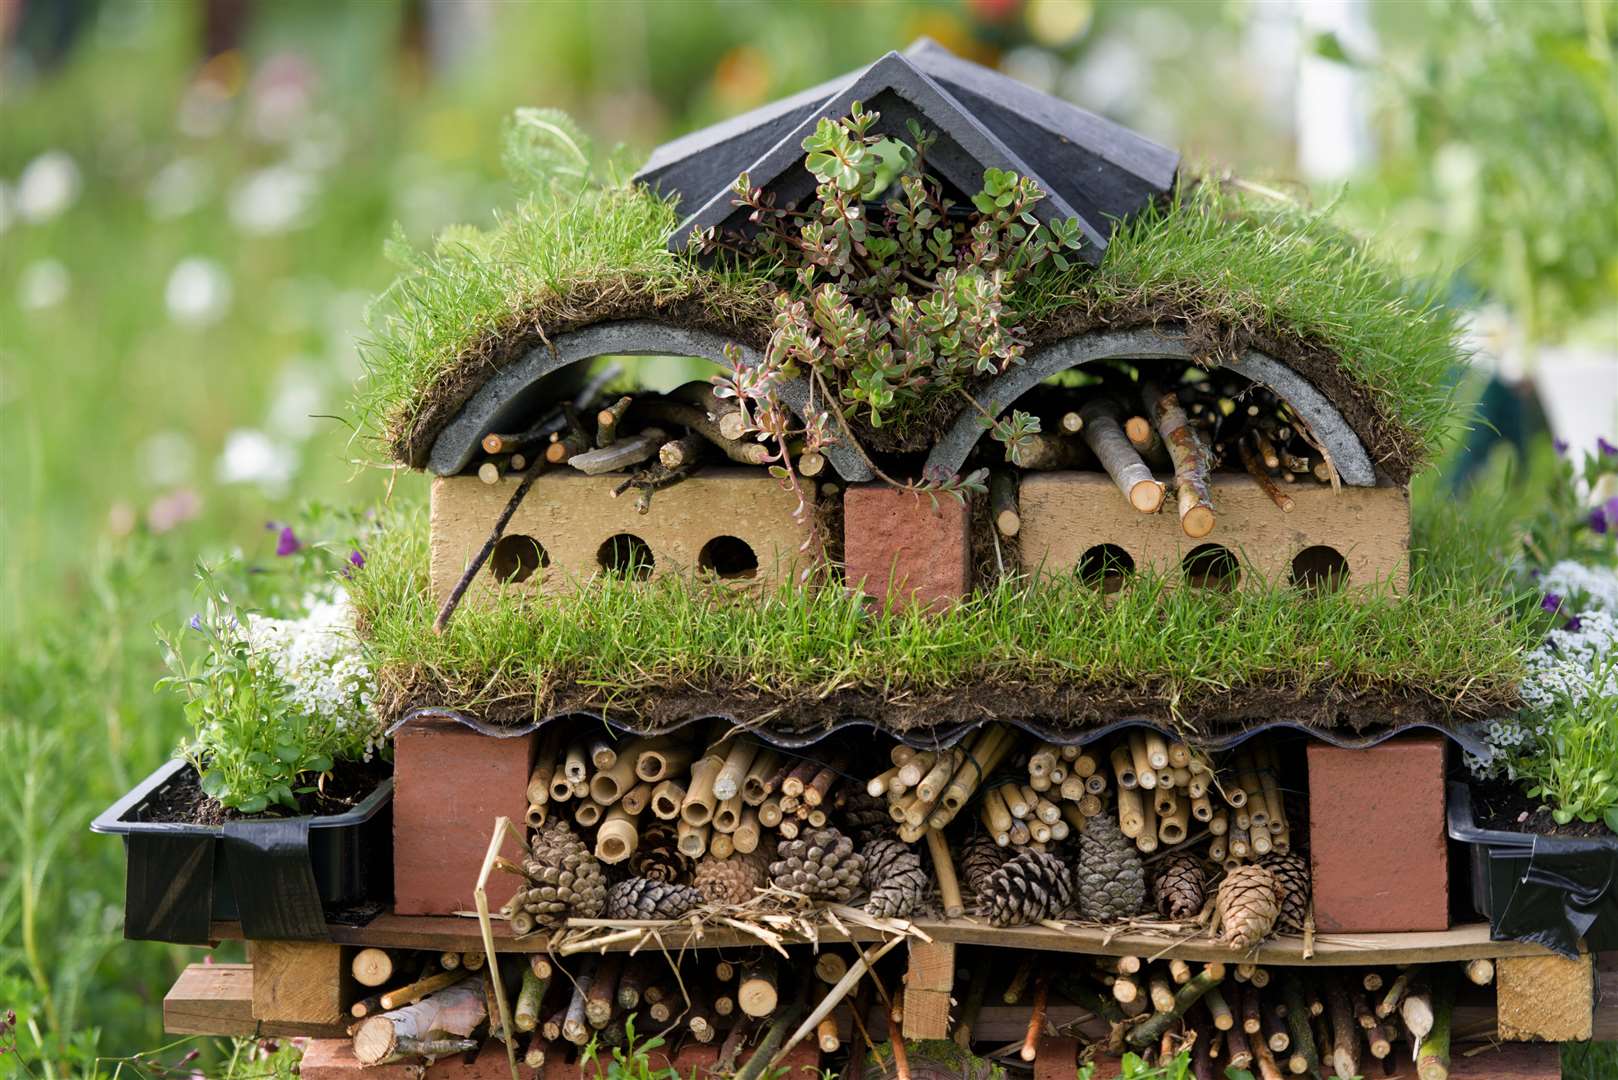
(720, 799)
(925, 789)
(1163, 785)
(658, 438)
(1189, 427)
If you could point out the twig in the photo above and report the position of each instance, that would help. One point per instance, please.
(451, 602)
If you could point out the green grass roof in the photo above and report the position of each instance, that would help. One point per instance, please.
(1230, 269)
(656, 652)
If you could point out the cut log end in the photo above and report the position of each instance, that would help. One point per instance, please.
(1147, 496)
(1197, 522)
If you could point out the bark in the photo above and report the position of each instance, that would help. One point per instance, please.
(621, 454)
(1202, 984)
(1432, 1055)
(1345, 1031)
(1003, 502)
(525, 1014)
(1112, 448)
(740, 450)
(1190, 458)
(608, 419)
(454, 1010)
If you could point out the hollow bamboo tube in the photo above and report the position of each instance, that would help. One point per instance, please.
(1259, 840)
(728, 814)
(877, 786)
(561, 786)
(539, 780)
(607, 786)
(1157, 750)
(617, 837)
(1131, 812)
(537, 813)
(1144, 775)
(692, 840)
(660, 762)
(602, 754)
(1171, 829)
(667, 798)
(1042, 760)
(1217, 849)
(758, 783)
(587, 812)
(1179, 754)
(637, 798)
(1238, 843)
(1123, 766)
(1096, 783)
(1219, 824)
(1047, 811)
(1105, 437)
(1085, 763)
(727, 782)
(1072, 789)
(932, 785)
(996, 815)
(1016, 802)
(746, 836)
(698, 805)
(1197, 785)
(912, 771)
(1164, 801)
(1182, 777)
(1165, 778)
(575, 764)
(1091, 805)
(1038, 831)
(981, 759)
(1148, 827)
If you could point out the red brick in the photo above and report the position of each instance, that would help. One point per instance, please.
(449, 785)
(904, 547)
(490, 1064)
(333, 1059)
(1507, 1061)
(803, 1063)
(692, 1059)
(1377, 836)
(1055, 1058)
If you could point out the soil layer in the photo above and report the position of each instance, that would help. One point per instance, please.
(182, 799)
(1502, 805)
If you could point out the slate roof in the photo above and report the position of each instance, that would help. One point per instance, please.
(1092, 169)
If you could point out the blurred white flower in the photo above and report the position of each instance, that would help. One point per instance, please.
(272, 200)
(48, 185)
(252, 457)
(166, 458)
(179, 188)
(198, 292)
(299, 394)
(43, 283)
(1598, 585)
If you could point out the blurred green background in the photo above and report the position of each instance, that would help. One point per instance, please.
(193, 203)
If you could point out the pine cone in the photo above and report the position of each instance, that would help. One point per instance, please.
(1029, 886)
(657, 856)
(567, 879)
(1247, 906)
(643, 898)
(821, 864)
(1180, 885)
(981, 857)
(729, 881)
(1292, 885)
(894, 879)
(864, 816)
(1111, 878)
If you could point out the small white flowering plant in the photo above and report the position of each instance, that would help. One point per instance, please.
(277, 687)
(1563, 746)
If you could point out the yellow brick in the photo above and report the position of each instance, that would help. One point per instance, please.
(1065, 514)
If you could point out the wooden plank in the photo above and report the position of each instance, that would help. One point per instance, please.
(932, 966)
(1605, 1028)
(1545, 997)
(926, 1014)
(299, 982)
(1465, 942)
(217, 999)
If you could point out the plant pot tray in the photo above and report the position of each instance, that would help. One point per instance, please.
(1549, 890)
(274, 877)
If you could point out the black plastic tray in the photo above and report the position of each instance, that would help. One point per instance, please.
(1550, 890)
(278, 876)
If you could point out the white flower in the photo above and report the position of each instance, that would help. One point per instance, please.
(252, 457)
(272, 200)
(299, 395)
(48, 186)
(1572, 664)
(1597, 584)
(318, 659)
(178, 188)
(198, 292)
(43, 283)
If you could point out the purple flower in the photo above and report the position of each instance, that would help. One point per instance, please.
(1574, 624)
(1601, 517)
(1551, 603)
(1606, 447)
(287, 543)
(1560, 446)
(357, 558)
(196, 623)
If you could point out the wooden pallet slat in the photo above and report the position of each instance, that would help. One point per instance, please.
(217, 999)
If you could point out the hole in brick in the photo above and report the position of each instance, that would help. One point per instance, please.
(1320, 567)
(516, 557)
(728, 557)
(626, 555)
(1106, 566)
(1210, 566)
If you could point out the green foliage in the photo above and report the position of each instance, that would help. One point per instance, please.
(631, 1061)
(1238, 256)
(1500, 157)
(1133, 1067)
(273, 703)
(1454, 636)
(1565, 527)
(891, 305)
